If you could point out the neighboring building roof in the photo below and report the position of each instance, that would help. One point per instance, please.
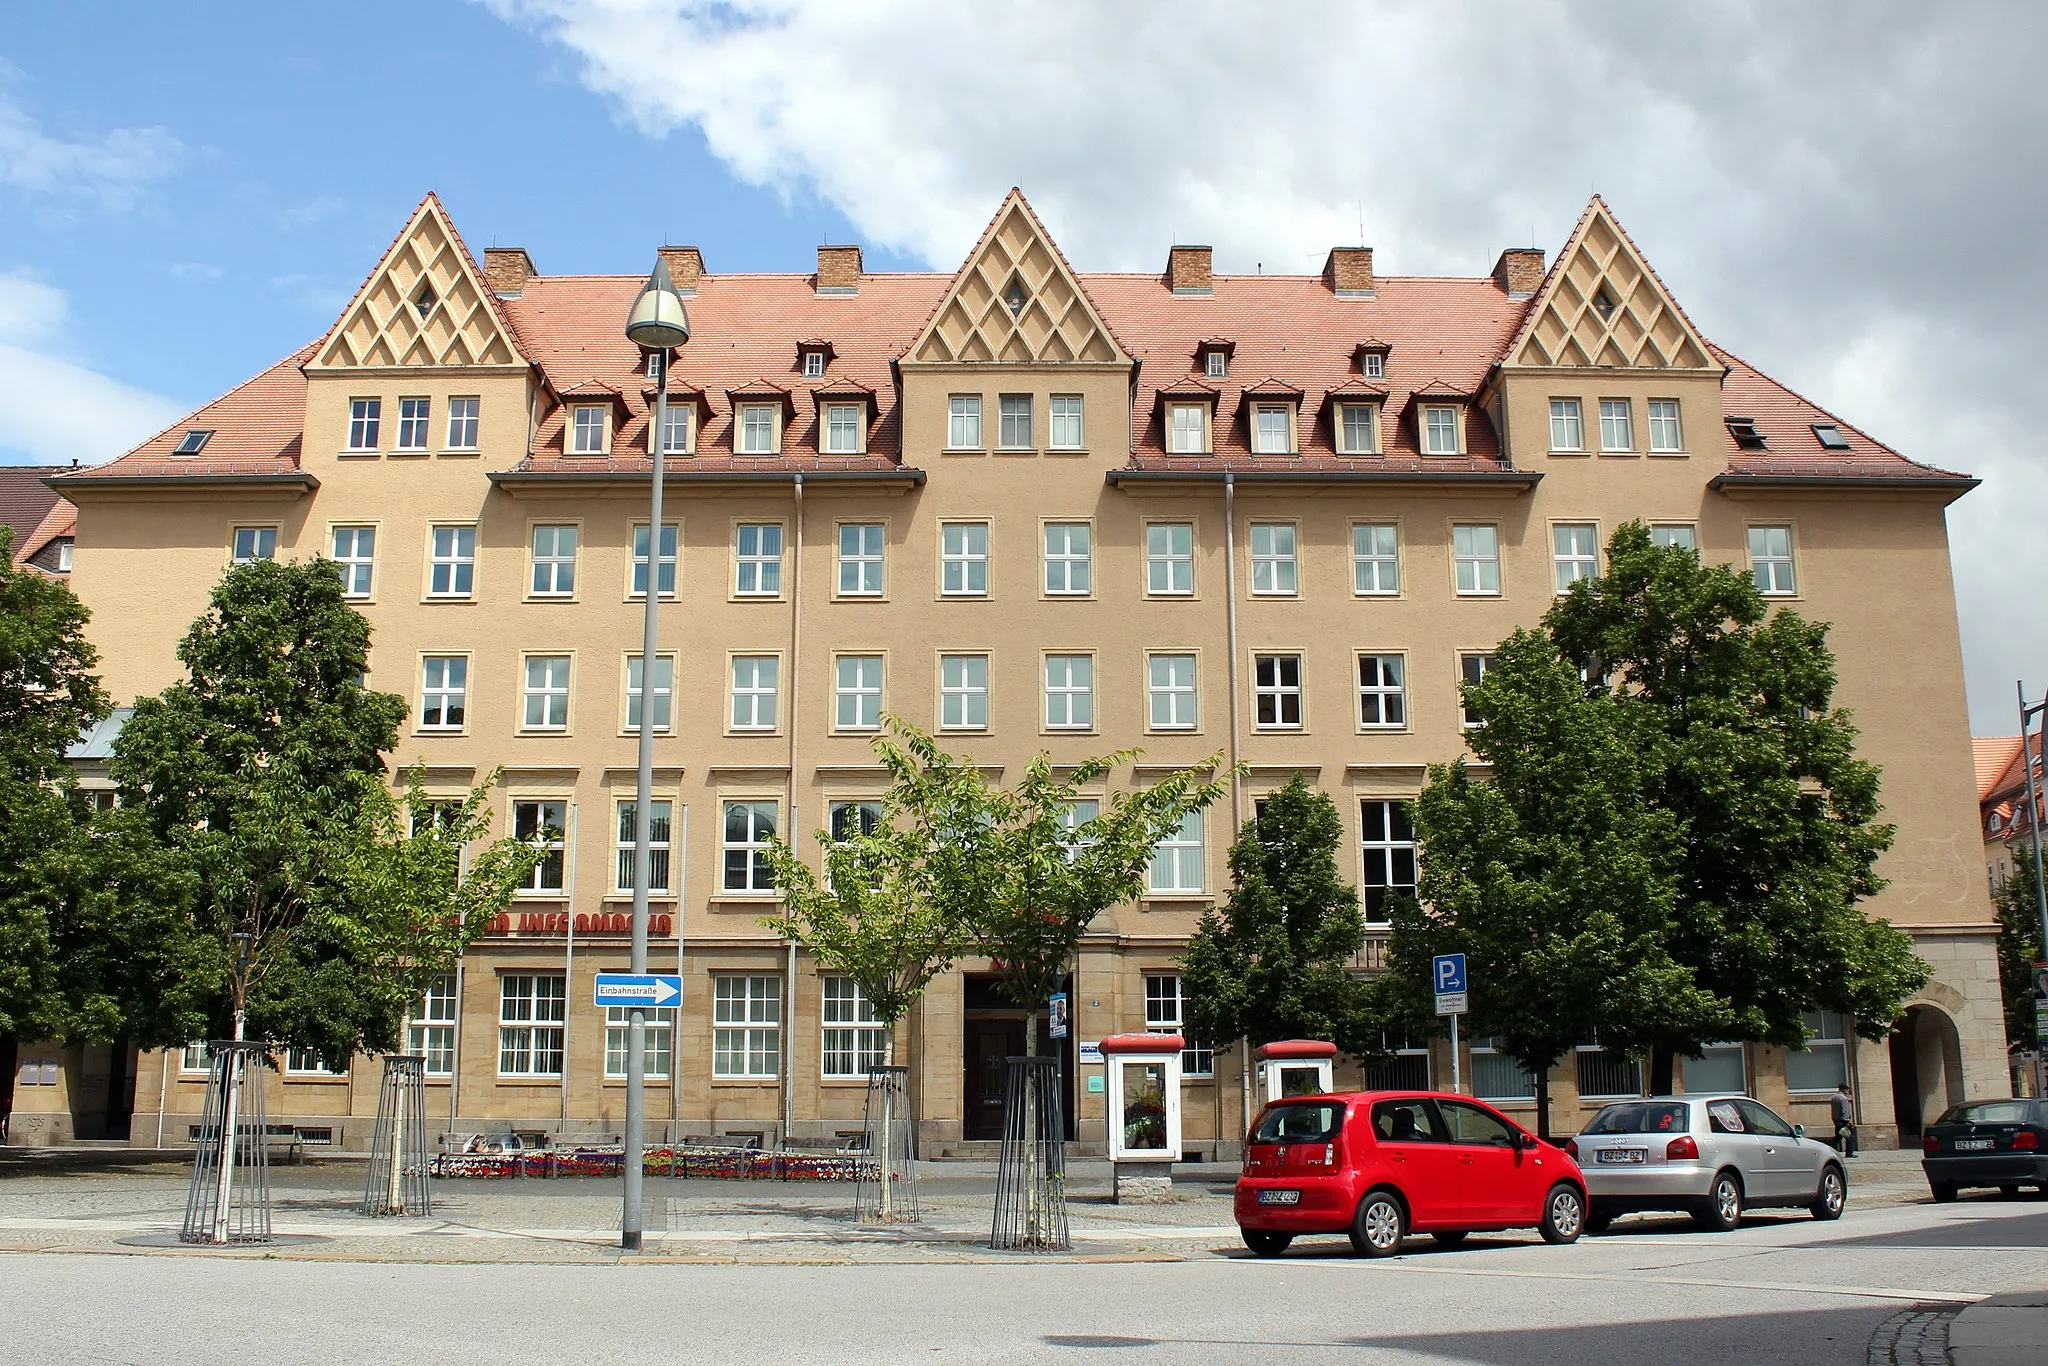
(1994, 757)
(59, 523)
(25, 499)
(97, 743)
(2004, 792)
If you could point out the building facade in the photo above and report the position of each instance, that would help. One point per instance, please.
(1278, 518)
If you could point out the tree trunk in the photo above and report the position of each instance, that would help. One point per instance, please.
(1543, 1103)
(1661, 1060)
(882, 1153)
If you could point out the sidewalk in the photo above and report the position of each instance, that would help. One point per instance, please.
(2005, 1330)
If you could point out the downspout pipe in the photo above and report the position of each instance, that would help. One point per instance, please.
(796, 636)
(1244, 1045)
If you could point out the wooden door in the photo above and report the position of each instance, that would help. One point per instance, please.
(989, 1044)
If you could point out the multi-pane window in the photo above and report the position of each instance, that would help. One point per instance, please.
(843, 428)
(1718, 1067)
(414, 416)
(1358, 429)
(1273, 429)
(430, 1029)
(587, 429)
(963, 692)
(963, 422)
(1013, 430)
(547, 693)
(1170, 559)
(1679, 535)
(658, 830)
(1664, 431)
(1069, 692)
(306, 1062)
(1276, 691)
(1187, 428)
(196, 1057)
(462, 423)
(1075, 823)
(1382, 692)
(1216, 363)
(860, 559)
(1177, 860)
(1404, 1066)
(757, 429)
(364, 416)
(531, 1010)
(746, 1033)
(754, 683)
(665, 567)
(355, 550)
(657, 1044)
(255, 543)
(1387, 844)
(757, 560)
(1170, 689)
(1607, 1073)
(857, 693)
(544, 825)
(1274, 569)
(749, 826)
(1574, 552)
(850, 820)
(678, 422)
(1567, 427)
(963, 559)
(1373, 365)
(1471, 669)
(854, 1040)
(660, 692)
(814, 363)
(451, 569)
(1770, 560)
(1440, 431)
(1067, 431)
(1066, 557)
(1496, 1076)
(1476, 552)
(1824, 1063)
(1166, 1013)
(444, 691)
(1375, 559)
(554, 561)
(1617, 431)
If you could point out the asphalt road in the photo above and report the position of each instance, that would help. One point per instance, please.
(1779, 1290)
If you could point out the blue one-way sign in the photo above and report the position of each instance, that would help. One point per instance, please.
(1448, 971)
(638, 989)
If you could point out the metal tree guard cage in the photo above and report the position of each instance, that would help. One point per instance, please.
(1031, 1175)
(885, 1185)
(397, 1183)
(230, 1197)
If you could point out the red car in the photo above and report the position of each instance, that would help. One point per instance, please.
(1380, 1165)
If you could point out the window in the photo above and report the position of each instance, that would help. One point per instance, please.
(355, 550)
(1746, 435)
(1276, 692)
(963, 422)
(424, 298)
(850, 820)
(462, 423)
(451, 570)
(1387, 836)
(1373, 365)
(1358, 429)
(657, 1044)
(1382, 697)
(1617, 432)
(554, 561)
(1069, 692)
(255, 543)
(657, 846)
(1066, 558)
(1567, 428)
(1166, 1013)
(1440, 431)
(1375, 560)
(1170, 689)
(1170, 559)
(748, 828)
(1476, 552)
(843, 428)
(678, 426)
(665, 570)
(1676, 534)
(757, 429)
(1664, 431)
(746, 1035)
(858, 697)
(1273, 566)
(430, 1030)
(1013, 431)
(1770, 560)
(1067, 431)
(1403, 1066)
(587, 429)
(1470, 1124)
(363, 417)
(307, 1063)
(197, 1057)
(413, 414)
(757, 561)
(65, 549)
(1471, 669)
(444, 691)
(660, 694)
(1273, 429)
(855, 1040)
(1574, 552)
(814, 363)
(963, 692)
(1718, 1068)
(1177, 859)
(963, 559)
(531, 1010)
(1605, 1073)
(1074, 826)
(1216, 363)
(193, 442)
(545, 825)
(754, 680)
(1187, 428)
(860, 560)
(547, 693)
(1498, 1077)
(1824, 1063)
(1830, 436)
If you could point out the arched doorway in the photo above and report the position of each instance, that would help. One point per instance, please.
(1927, 1069)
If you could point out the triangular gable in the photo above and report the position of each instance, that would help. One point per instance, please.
(1602, 305)
(425, 304)
(1050, 318)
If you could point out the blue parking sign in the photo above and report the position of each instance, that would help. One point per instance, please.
(1447, 970)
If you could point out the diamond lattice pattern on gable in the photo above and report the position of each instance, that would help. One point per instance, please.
(1015, 302)
(395, 322)
(1606, 308)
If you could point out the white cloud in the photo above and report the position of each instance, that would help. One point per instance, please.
(110, 170)
(53, 409)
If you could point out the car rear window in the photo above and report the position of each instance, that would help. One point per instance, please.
(1306, 1122)
(1990, 1112)
(1643, 1117)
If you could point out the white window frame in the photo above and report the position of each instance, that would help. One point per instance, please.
(415, 422)
(1276, 567)
(1172, 700)
(1273, 428)
(1614, 1058)
(1373, 364)
(1170, 564)
(1185, 437)
(757, 429)
(861, 546)
(1177, 861)
(1166, 1013)
(365, 418)
(1069, 704)
(449, 686)
(465, 419)
(746, 1033)
(1066, 423)
(1376, 559)
(680, 435)
(755, 686)
(355, 550)
(1617, 426)
(1274, 694)
(1354, 419)
(963, 692)
(1068, 570)
(66, 547)
(845, 427)
(1383, 855)
(430, 1026)
(1439, 420)
(660, 846)
(1216, 363)
(661, 693)
(1680, 534)
(857, 692)
(533, 1011)
(814, 363)
(1472, 669)
(761, 819)
(657, 1044)
(589, 428)
(1667, 430)
(851, 1040)
(757, 571)
(1827, 1038)
(1567, 425)
(544, 694)
(261, 544)
(667, 567)
(1773, 566)
(1574, 553)
(196, 1056)
(552, 572)
(963, 422)
(531, 818)
(1382, 691)
(963, 557)
(304, 1062)
(1014, 422)
(453, 556)
(1475, 556)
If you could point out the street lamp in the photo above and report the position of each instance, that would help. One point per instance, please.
(2028, 713)
(657, 325)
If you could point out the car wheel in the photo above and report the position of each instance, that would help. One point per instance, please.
(1450, 1237)
(1564, 1214)
(1833, 1195)
(1944, 1194)
(1377, 1229)
(1264, 1243)
(1722, 1210)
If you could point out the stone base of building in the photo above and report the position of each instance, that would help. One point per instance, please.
(40, 1130)
(1142, 1183)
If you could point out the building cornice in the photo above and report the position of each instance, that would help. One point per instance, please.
(290, 484)
(1948, 487)
(516, 482)
(1511, 481)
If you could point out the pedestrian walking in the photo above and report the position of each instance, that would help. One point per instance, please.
(1843, 1107)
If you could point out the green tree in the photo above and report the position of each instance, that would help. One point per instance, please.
(2019, 945)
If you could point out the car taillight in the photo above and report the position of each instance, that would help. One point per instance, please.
(1329, 1154)
(1930, 1144)
(1571, 1148)
(2027, 1139)
(1681, 1149)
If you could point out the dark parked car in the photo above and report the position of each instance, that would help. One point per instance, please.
(2002, 1143)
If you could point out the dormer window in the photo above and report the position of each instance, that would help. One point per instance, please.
(1440, 434)
(1358, 429)
(679, 422)
(587, 429)
(757, 429)
(1187, 428)
(844, 428)
(1015, 297)
(193, 441)
(1373, 365)
(1216, 364)
(424, 298)
(64, 556)
(1273, 428)
(814, 363)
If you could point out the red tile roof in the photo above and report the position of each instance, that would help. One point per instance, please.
(60, 521)
(24, 499)
(1786, 420)
(256, 429)
(1994, 757)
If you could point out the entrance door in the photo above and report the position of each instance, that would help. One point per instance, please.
(990, 1043)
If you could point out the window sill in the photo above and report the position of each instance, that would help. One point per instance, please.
(449, 597)
(742, 733)
(1016, 450)
(1383, 730)
(619, 1083)
(550, 597)
(315, 1079)
(653, 897)
(411, 453)
(1066, 450)
(543, 732)
(860, 597)
(753, 597)
(1570, 453)
(1670, 455)
(964, 450)
(1621, 455)
(471, 451)
(753, 1083)
(1178, 899)
(531, 1079)
(551, 894)
(738, 899)
(358, 455)
(424, 733)
(1495, 594)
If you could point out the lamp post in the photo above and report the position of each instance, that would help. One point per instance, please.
(2028, 713)
(658, 324)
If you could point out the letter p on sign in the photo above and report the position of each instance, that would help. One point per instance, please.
(1448, 969)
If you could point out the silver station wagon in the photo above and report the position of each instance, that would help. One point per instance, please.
(1710, 1156)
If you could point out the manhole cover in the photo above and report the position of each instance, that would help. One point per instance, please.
(1096, 1340)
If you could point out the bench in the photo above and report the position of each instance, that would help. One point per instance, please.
(275, 1136)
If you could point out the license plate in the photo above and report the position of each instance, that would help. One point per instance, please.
(1279, 1197)
(1634, 1155)
(1972, 1145)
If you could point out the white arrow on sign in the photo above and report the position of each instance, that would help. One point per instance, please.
(664, 991)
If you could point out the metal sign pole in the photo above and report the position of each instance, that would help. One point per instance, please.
(2027, 713)
(1457, 1080)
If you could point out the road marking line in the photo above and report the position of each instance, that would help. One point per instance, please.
(1872, 1292)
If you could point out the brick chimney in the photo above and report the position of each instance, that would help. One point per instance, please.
(507, 269)
(685, 267)
(1519, 271)
(838, 270)
(1348, 272)
(1187, 270)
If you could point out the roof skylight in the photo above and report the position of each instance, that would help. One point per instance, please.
(194, 441)
(1830, 436)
